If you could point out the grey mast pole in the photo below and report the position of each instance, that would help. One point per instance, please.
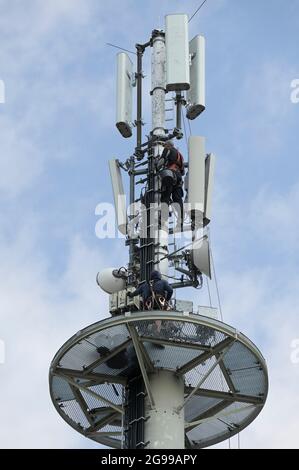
(158, 129)
(164, 428)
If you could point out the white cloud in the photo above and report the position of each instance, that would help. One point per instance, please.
(261, 300)
(263, 103)
(20, 162)
(263, 305)
(42, 57)
(38, 314)
(273, 216)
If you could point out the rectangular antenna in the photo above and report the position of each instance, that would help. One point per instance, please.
(196, 179)
(177, 53)
(124, 95)
(119, 196)
(201, 256)
(196, 95)
(209, 186)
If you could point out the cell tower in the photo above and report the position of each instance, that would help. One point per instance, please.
(160, 379)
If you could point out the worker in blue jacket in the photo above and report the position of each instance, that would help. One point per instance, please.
(155, 295)
(157, 287)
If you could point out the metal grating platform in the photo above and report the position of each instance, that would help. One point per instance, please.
(225, 375)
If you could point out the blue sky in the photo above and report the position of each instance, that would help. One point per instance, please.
(57, 133)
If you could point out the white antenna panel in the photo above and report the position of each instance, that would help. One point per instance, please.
(201, 256)
(209, 186)
(124, 95)
(196, 174)
(177, 53)
(196, 95)
(119, 196)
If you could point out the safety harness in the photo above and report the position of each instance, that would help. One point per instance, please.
(156, 300)
(178, 165)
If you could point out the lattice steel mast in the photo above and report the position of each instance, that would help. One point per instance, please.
(193, 381)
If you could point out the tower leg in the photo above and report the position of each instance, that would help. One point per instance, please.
(163, 418)
(158, 123)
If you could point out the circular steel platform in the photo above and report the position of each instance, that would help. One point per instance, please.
(225, 375)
